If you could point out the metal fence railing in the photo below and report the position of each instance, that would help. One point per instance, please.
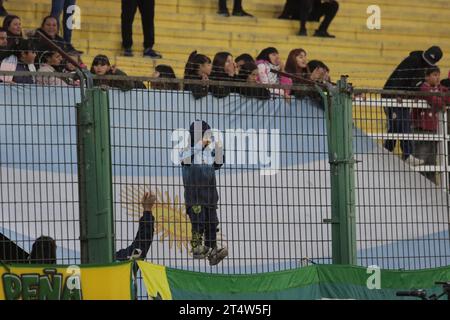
(38, 173)
(402, 205)
(273, 187)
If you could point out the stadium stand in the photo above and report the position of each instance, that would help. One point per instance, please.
(367, 56)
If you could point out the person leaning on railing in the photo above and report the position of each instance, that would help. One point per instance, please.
(268, 60)
(44, 248)
(198, 67)
(22, 60)
(248, 73)
(426, 121)
(223, 69)
(102, 67)
(407, 76)
(50, 61)
(163, 71)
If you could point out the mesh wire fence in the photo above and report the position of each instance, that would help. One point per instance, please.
(402, 179)
(273, 187)
(38, 172)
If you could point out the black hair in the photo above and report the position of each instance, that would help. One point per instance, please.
(2, 29)
(264, 54)
(8, 20)
(45, 56)
(314, 64)
(165, 71)
(244, 57)
(23, 45)
(219, 61)
(246, 70)
(43, 251)
(429, 71)
(45, 20)
(194, 62)
(100, 59)
(196, 125)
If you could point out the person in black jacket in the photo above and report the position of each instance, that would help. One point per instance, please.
(311, 10)
(44, 248)
(199, 163)
(198, 67)
(49, 27)
(408, 76)
(223, 69)
(101, 67)
(249, 73)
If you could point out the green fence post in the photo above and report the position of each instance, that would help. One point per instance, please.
(340, 151)
(95, 178)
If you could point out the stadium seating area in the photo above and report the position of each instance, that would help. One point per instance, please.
(368, 56)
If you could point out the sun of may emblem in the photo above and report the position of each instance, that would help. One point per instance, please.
(172, 224)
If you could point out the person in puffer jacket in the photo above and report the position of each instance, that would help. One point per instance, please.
(199, 163)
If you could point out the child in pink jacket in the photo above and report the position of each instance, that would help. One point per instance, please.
(267, 60)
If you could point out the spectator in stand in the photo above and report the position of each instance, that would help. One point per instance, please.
(198, 67)
(13, 27)
(163, 71)
(70, 68)
(3, 43)
(243, 58)
(311, 10)
(267, 60)
(223, 69)
(22, 60)
(297, 64)
(44, 248)
(50, 61)
(3, 12)
(101, 66)
(63, 6)
(49, 28)
(318, 71)
(426, 121)
(147, 10)
(446, 82)
(249, 73)
(408, 76)
(237, 9)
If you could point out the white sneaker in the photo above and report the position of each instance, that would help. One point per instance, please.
(413, 161)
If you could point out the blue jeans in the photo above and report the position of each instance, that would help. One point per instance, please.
(59, 6)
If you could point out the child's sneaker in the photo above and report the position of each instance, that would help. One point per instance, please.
(217, 255)
(200, 252)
